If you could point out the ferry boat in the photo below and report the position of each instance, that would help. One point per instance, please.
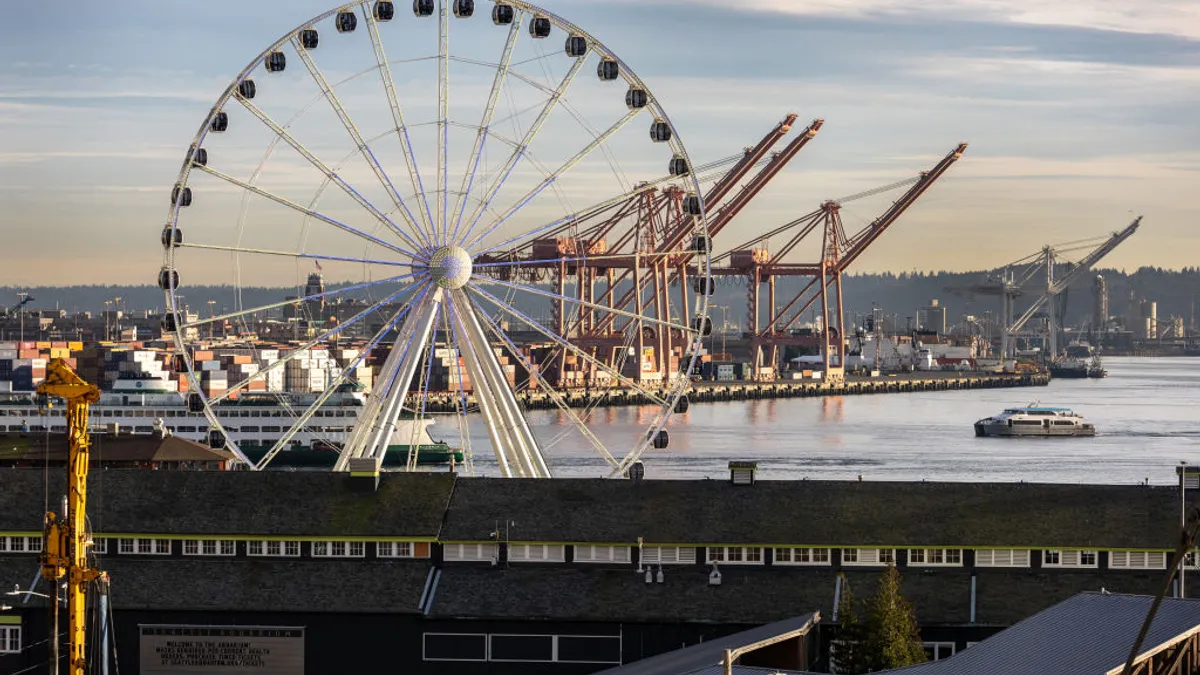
(1035, 420)
(1079, 361)
(254, 422)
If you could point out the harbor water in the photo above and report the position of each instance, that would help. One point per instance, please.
(1146, 412)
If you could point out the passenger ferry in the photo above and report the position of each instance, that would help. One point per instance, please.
(1035, 420)
(254, 422)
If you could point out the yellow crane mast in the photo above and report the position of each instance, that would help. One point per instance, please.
(64, 553)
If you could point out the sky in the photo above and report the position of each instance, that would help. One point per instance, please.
(1079, 114)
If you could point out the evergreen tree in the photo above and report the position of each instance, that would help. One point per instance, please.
(848, 656)
(892, 639)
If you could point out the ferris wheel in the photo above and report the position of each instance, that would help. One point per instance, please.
(475, 220)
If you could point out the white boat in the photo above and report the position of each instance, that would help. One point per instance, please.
(1035, 420)
(254, 422)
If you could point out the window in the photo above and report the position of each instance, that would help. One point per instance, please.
(936, 651)
(536, 553)
(144, 546)
(1001, 557)
(1064, 558)
(737, 555)
(669, 555)
(339, 549)
(99, 546)
(10, 639)
(868, 556)
(470, 551)
(599, 649)
(1138, 560)
(209, 547)
(20, 544)
(602, 554)
(275, 549)
(394, 549)
(935, 557)
(802, 556)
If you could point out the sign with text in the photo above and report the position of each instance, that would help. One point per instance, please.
(222, 650)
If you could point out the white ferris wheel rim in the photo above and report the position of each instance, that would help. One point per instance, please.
(431, 235)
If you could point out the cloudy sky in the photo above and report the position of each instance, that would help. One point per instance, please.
(1080, 114)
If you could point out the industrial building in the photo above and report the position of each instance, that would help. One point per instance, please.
(437, 573)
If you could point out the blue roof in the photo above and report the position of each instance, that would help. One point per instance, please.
(1087, 634)
(1042, 408)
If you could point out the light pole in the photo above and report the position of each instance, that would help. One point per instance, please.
(21, 312)
(107, 331)
(211, 314)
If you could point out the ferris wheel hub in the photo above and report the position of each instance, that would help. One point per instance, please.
(450, 267)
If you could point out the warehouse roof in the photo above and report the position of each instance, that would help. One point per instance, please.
(1088, 634)
(829, 513)
(271, 503)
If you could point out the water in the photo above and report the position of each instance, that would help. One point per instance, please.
(1146, 412)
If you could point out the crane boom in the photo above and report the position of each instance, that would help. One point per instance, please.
(1084, 265)
(64, 552)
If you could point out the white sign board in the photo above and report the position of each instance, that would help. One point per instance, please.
(222, 650)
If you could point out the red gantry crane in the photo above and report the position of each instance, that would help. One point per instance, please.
(838, 251)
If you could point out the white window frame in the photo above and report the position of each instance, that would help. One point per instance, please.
(395, 549)
(537, 553)
(487, 647)
(209, 547)
(262, 548)
(1070, 558)
(1137, 560)
(588, 553)
(937, 647)
(935, 557)
(20, 544)
(10, 639)
(669, 555)
(735, 555)
(100, 545)
(868, 557)
(1002, 557)
(470, 552)
(810, 557)
(341, 548)
(143, 546)
(553, 647)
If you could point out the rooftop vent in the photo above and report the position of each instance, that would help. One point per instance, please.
(742, 473)
(364, 474)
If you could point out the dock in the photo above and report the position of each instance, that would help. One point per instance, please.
(741, 390)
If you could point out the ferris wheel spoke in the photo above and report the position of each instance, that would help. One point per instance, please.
(566, 344)
(530, 135)
(203, 321)
(414, 446)
(389, 88)
(513, 442)
(485, 123)
(557, 398)
(283, 201)
(294, 254)
(582, 214)
(312, 409)
(687, 330)
(303, 349)
(565, 167)
(329, 173)
(376, 424)
(443, 130)
(464, 434)
(359, 142)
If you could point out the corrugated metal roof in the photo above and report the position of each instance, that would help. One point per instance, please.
(701, 659)
(1088, 634)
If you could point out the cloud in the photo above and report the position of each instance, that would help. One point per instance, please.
(1165, 17)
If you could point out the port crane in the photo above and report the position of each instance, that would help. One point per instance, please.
(65, 549)
(838, 251)
(1015, 276)
(25, 300)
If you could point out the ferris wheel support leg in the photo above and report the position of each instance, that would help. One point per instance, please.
(487, 375)
(375, 427)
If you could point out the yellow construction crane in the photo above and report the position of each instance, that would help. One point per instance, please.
(64, 553)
